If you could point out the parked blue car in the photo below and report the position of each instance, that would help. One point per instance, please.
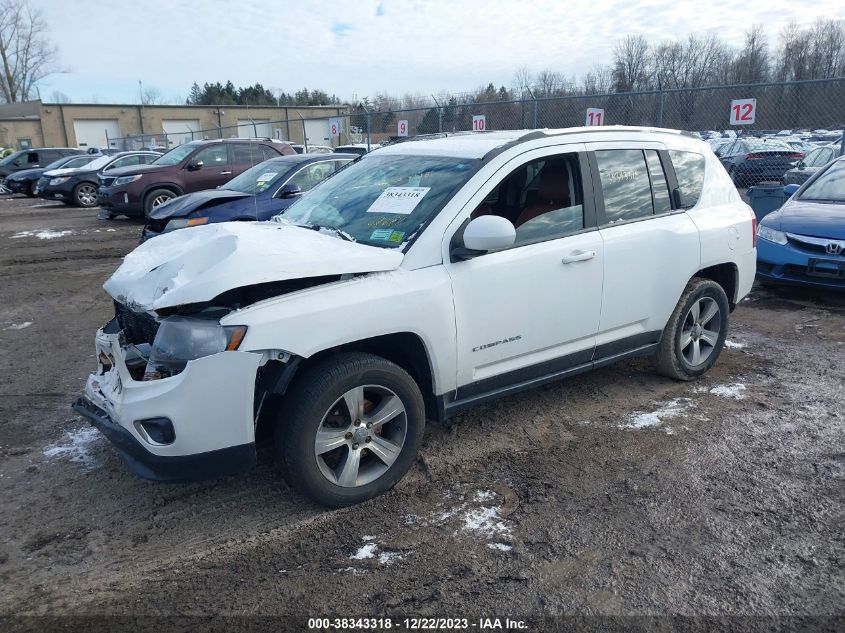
(803, 242)
(258, 193)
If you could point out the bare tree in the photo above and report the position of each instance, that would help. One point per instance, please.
(58, 96)
(550, 83)
(598, 80)
(632, 64)
(751, 64)
(26, 55)
(828, 49)
(152, 96)
(522, 81)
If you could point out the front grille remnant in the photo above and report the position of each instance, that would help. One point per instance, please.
(138, 327)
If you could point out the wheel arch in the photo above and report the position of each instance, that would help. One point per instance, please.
(726, 275)
(406, 349)
(172, 186)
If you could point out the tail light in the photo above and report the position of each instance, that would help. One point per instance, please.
(755, 156)
(753, 228)
(796, 156)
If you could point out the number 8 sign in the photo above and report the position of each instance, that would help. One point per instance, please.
(743, 111)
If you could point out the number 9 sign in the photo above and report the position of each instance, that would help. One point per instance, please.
(402, 128)
(743, 111)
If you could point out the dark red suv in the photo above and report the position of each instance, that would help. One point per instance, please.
(135, 191)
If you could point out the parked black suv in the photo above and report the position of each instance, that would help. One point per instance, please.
(34, 158)
(194, 166)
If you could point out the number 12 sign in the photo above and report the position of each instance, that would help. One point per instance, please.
(595, 116)
(743, 111)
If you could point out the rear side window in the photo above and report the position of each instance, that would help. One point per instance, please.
(246, 154)
(689, 170)
(268, 152)
(625, 184)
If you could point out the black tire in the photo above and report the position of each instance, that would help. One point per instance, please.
(83, 196)
(673, 356)
(315, 395)
(30, 190)
(151, 200)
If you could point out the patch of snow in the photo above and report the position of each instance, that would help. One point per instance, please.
(367, 551)
(734, 391)
(18, 326)
(46, 234)
(502, 547)
(368, 538)
(734, 345)
(484, 495)
(76, 446)
(388, 558)
(676, 407)
(484, 521)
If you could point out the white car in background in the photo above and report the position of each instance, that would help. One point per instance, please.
(423, 280)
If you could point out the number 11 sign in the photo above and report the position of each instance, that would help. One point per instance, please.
(743, 111)
(595, 116)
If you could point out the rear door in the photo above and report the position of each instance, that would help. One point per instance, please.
(650, 248)
(244, 156)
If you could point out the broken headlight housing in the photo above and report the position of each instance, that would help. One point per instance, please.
(182, 339)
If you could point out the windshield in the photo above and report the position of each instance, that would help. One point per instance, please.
(257, 179)
(381, 200)
(11, 158)
(829, 186)
(176, 155)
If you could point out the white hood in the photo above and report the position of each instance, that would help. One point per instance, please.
(196, 264)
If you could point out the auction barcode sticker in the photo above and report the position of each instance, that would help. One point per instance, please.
(399, 200)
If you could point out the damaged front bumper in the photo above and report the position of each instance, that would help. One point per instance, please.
(196, 424)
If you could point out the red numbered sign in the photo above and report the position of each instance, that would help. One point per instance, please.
(479, 122)
(335, 127)
(402, 128)
(595, 116)
(743, 111)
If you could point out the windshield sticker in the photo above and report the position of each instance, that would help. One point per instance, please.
(398, 200)
(267, 176)
(388, 235)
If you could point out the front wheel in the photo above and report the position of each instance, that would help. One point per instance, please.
(156, 198)
(695, 334)
(85, 194)
(30, 190)
(350, 428)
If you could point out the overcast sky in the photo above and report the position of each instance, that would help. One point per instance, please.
(361, 47)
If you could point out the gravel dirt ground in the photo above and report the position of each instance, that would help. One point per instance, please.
(614, 493)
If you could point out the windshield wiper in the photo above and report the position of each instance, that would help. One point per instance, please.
(320, 227)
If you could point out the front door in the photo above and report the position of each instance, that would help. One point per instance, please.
(216, 168)
(532, 310)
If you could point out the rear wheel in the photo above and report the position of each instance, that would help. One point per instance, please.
(156, 198)
(85, 194)
(695, 334)
(350, 428)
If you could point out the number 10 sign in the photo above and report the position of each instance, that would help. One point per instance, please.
(743, 111)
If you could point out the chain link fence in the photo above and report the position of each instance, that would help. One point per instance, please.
(760, 131)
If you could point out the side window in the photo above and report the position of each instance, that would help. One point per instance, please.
(812, 158)
(246, 154)
(689, 170)
(146, 159)
(310, 175)
(659, 184)
(543, 199)
(126, 161)
(338, 164)
(825, 156)
(267, 152)
(213, 156)
(32, 158)
(625, 184)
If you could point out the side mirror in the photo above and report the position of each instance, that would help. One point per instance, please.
(290, 191)
(485, 233)
(789, 190)
(194, 165)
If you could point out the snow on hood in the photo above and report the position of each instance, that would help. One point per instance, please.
(197, 264)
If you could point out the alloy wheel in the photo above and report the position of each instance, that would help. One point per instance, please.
(360, 436)
(87, 195)
(700, 331)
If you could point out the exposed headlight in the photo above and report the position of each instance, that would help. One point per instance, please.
(58, 181)
(181, 223)
(125, 180)
(181, 339)
(771, 235)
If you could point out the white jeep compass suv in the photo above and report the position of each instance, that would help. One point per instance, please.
(418, 281)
